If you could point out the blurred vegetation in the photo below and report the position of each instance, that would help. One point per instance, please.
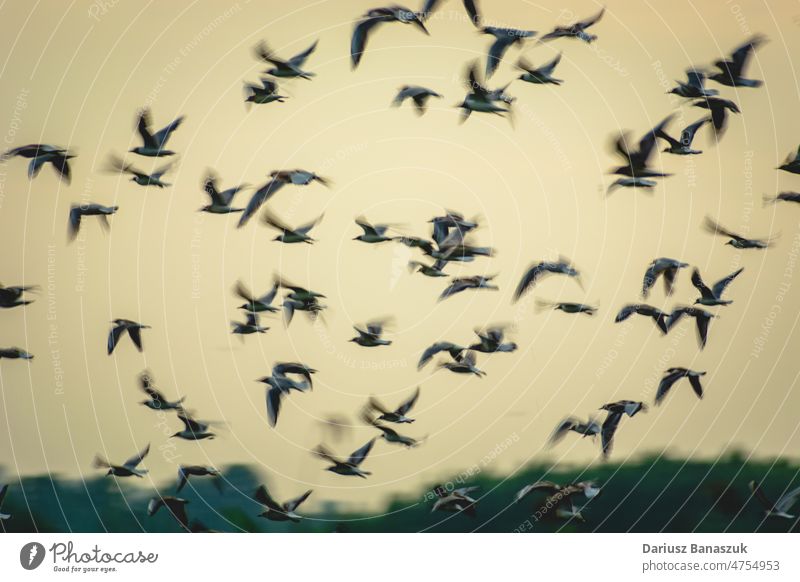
(651, 495)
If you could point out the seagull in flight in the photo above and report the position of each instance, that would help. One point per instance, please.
(258, 304)
(731, 71)
(78, 211)
(491, 341)
(694, 87)
(15, 354)
(370, 335)
(636, 161)
(453, 349)
(12, 296)
(372, 19)
(281, 385)
(718, 108)
(702, 319)
(288, 234)
(713, 296)
(463, 365)
(642, 183)
(389, 434)
(537, 271)
(175, 505)
(658, 316)
(193, 430)
(140, 177)
(779, 508)
(249, 326)
(372, 233)
(266, 92)
(668, 268)
(41, 154)
(672, 375)
(419, 95)
(275, 511)
(221, 200)
(457, 501)
(260, 196)
(154, 143)
(792, 163)
(288, 69)
(737, 241)
(157, 401)
(121, 326)
(463, 283)
(783, 197)
(576, 30)
(683, 146)
(616, 410)
(504, 38)
(350, 467)
(481, 99)
(542, 75)
(566, 307)
(590, 428)
(126, 469)
(186, 471)
(398, 416)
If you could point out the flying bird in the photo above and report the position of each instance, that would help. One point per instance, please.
(157, 400)
(662, 267)
(463, 283)
(737, 241)
(463, 365)
(153, 144)
(193, 430)
(372, 19)
(126, 469)
(636, 161)
(454, 350)
(258, 304)
(186, 471)
(175, 506)
(782, 197)
(792, 163)
(266, 92)
(456, 501)
(719, 111)
(15, 354)
(576, 30)
(275, 511)
(398, 416)
(140, 177)
(250, 326)
(713, 296)
(702, 319)
(121, 326)
(290, 68)
(731, 71)
(78, 211)
(694, 87)
(419, 95)
(566, 307)
(350, 467)
(389, 434)
(260, 196)
(779, 508)
(683, 146)
(372, 233)
(280, 385)
(616, 411)
(41, 154)
(672, 375)
(590, 428)
(542, 75)
(12, 296)
(288, 234)
(221, 200)
(491, 341)
(369, 336)
(481, 99)
(504, 38)
(539, 270)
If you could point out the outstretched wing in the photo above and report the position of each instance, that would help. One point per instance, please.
(697, 281)
(360, 35)
(137, 458)
(293, 504)
(719, 286)
(359, 455)
(408, 404)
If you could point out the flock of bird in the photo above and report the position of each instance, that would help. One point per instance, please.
(451, 240)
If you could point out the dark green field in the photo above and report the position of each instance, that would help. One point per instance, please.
(651, 495)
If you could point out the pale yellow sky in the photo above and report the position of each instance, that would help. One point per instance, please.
(74, 74)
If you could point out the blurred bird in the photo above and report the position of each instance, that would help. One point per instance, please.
(782, 197)
(372, 19)
(504, 38)
(260, 196)
(463, 283)
(672, 375)
(434, 270)
(589, 428)
(419, 95)
(193, 430)
(12, 296)
(262, 94)
(350, 467)
(491, 341)
(15, 354)
(371, 336)
(258, 304)
(566, 307)
(389, 434)
(78, 211)
(175, 505)
(279, 511)
(220, 200)
(157, 400)
(557, 493)
(454, 350)
(463, 365)
(731, 70)
(121, 326)
(457, 501)
(576, 30)
(41, 154)
(718, 108)
(537, 271)
(668, 268)
(702, 319)
(299, 177)
(779, 508)
(616, 411)
(481, 99)
(542, 75)
(713, 296)
(683, 146)
(290, 68)
(372, 233)
(186, 471)
(398, 416)
(154, 143)
(142, 178)
(642, 183)
(792, 163)
(736, 240)
(281, 385)
(250, 326)
(636, 161)
(694, 87)
(126, 469)
(288, 234)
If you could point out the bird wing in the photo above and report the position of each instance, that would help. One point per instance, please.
(242, 291)
(359, 455)
(408, 404)
(687, 135)
(719, 286)
(360, 36)
(100, 463)
(528, 280)
(759, 494)
(549, 68)
(695, 78)
(163, 135)
(496, 52)
(293, 504)
(113, 337)
(610, 426)
(696, 385)
(3, 491)
(272, 220)
(259, 197)
(786, 500)
(584, 24)
(136, 337)
(431, 351)
(471, 7)
(457, 286)
(210, 188)
(474, 83)
(143, 127)
(669, 280)
(324, 454)
(299, 59)
(703, 320)
(264, 498)
(626, 312)
(305, 228)
(649, 140)
(562, 429)
(714, 227)
(650, 277)
(666, 383)
(697, 281)
(269, 296)
(74, 224)
(137, 458)
(183, 478)
(273, 405)
(366, 226)
(741, 55)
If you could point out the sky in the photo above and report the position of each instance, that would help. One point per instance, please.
(75, 74)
